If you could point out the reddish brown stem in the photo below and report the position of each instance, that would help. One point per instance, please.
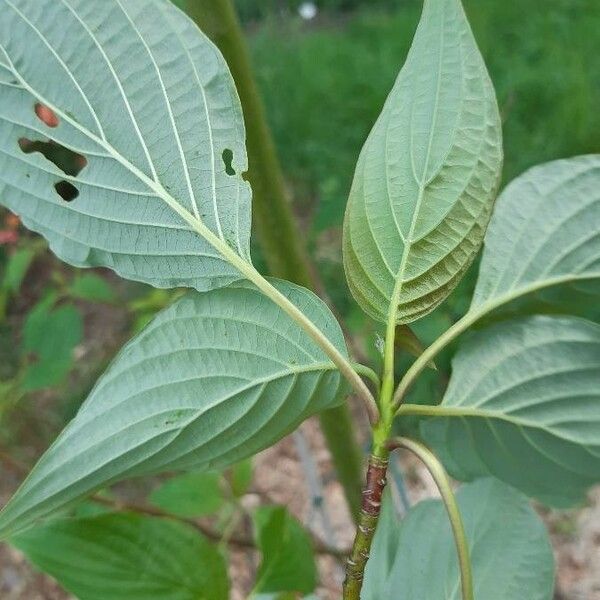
(369, 514)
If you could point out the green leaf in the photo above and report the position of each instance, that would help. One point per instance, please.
(523, 404)
(127, 557)
(90, 508)
(427, 175)
(542, 248)
(16, 268)
(510, 551)
(288, 564)
(542, 252)
(91, 287)
(215, 378)
(49, 338)
(135, 178)
(190, 495)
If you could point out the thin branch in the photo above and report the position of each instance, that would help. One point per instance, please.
(233, 539)
(151, 511)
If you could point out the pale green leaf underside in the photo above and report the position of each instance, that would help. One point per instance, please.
(541, 251)
(510, 550)
(213, 379)
(523, 404)
(150, 103)
(127, 557)
(427, 176)
(542, 248)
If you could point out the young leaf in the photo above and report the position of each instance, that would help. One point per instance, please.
(416, 558)
(523, 404)
(542, 249)
(190, 495)
(288, 564)
(215, 378)
(127, 557)
(144, 136)
(427, 176)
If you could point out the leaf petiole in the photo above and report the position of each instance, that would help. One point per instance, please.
(367, 372)
(442, 482)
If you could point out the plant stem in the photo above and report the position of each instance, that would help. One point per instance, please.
(371, 495)
(367, 522)
(272, 215)
(440, 477)
(377, 468)
(337, 426)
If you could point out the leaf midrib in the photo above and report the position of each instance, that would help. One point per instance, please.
(408, 242)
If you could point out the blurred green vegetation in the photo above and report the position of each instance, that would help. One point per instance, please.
(258, 10)
(324, 85)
